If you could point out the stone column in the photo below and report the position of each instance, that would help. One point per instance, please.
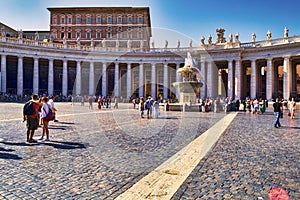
(212, 80)
(253, 81)
(129, 93)
(286, 78)
(230, 79)
(270, 79)
(36, 76)
(178, 79)
(141, 80)
(20, 76)
(3, 73)
(203, 79)
(78, 77)
(92, 79)
(50, 77)
(65, 78)
(238, 79)
(104, 79)
(117, 80)
(153, 81)
(166, 81)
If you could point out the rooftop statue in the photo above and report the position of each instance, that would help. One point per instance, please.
(92, 42)
(178, 44)
(78, 40)
(269, 35)
(202, 40)
(230, 37)
(191, 43)
(64, 40)
(237, 35)
(36, 36)
(253, 37)
(166, 44)
(104, 43)
(3, 33)
(152, 44)
(286, 32)
(209, 39)
(20, 34)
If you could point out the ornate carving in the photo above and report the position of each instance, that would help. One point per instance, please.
(202, 40)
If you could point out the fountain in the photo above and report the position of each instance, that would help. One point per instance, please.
(190, 84)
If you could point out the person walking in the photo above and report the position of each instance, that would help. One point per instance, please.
(277, 112)
(292, 108)
(30, 115)
(156, 108)
(141, 107)
(148, 106)
(51, 103)
(45, 111)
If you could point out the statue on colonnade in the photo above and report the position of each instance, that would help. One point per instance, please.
(286, 32)
(178, 44)
(253, 37)
(237, 35)
(202, 40)
(209, 39)
(36, 36)
(269, 35)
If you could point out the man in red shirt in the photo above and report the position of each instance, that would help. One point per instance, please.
(32, 120)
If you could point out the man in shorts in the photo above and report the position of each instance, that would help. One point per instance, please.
(32, 120)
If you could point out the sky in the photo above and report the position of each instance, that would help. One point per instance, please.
(176, 19)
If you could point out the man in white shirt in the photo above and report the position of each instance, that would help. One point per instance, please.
(51, 103)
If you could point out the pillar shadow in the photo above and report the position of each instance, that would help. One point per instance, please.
(65, 145)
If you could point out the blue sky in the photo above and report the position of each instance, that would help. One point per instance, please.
(176, 18)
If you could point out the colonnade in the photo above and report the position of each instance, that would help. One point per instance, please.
(235, 86)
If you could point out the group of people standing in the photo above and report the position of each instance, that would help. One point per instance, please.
(36, 113)
(147, 105)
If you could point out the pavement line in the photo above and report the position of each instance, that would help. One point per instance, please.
(163, 182)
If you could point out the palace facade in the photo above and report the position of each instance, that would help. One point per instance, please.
(257, 69)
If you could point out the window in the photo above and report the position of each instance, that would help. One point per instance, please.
(109, 20)
(78, 20)
(77, 34)
(140, 20)
(98, 35)
(69, 35)
(54, 20)
(88, 35)
(69, 20)
(62, 35)
(109, 35)
(129, 20)
(88, 20)
(119, 20)
(62, 20)
(98, 20)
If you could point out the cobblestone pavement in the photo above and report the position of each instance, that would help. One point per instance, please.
(250, 158)
(91, 154)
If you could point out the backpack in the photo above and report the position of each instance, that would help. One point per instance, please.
(50, 116)
(28, 108)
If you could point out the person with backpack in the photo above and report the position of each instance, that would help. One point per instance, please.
(148, 106)
(47, 115)
(30, 115)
